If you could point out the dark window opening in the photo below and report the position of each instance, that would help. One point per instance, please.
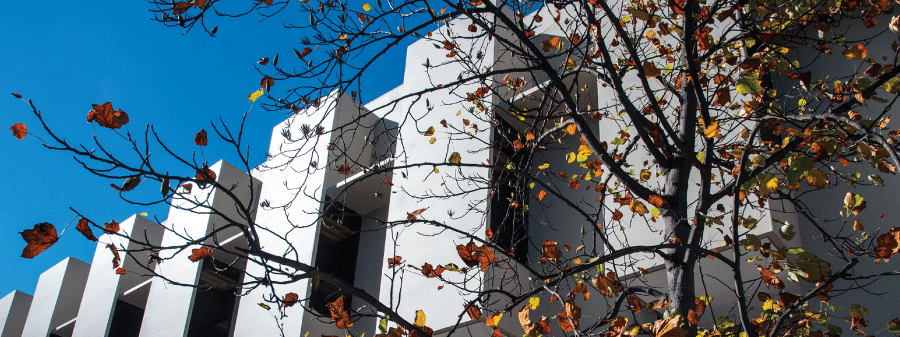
(508, 220)
(336, 252)
(213, 309)
(126, 320)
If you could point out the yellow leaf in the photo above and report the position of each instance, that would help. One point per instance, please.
(255, 95)
(645, 175)
(494, 320)
(534, 302)
(571, 157)
(420, 318)
(570, 64)
(544, 166)
(429, 132)
(816, 178)
(772, 185)
(367, 7)
(857, 52)
(712, 130)
(638, 207)
(432, 140)
(455, 158)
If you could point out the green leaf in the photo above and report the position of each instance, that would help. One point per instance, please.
(787, 231)
(749, 84)
(701, 157)
(894, 326)
(617, 141)
(892, 85)
(876, 179)
(265, 306)
(382, 325)
(814, 266)
(795, 251)
(749, 222)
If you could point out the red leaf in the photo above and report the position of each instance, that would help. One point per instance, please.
(267, 2)
(120, 271)
(17, 95)
(19, 130)
(395, 261)
(200, 254)
(339, 314)
(85, 228)
(106, 117)
(289, 300)
(205, 175)
(111, 227)
(200, 138)
(181, 7)
(266, 83)
(263, 61)
(116, 261)
(39, 239)
(430, 271)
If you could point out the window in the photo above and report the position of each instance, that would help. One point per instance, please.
(336, 252)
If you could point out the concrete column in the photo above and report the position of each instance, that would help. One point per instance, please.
(13, 311)
(57, 297)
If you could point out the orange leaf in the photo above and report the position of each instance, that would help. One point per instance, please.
(668, 327)
(19, 130)
(608, 284)
(723, 97)
(85, 228)
(551, 250)
(395, 261)
(120, 271)
(39, 239)
(344, 169)
(200, 138)
(473, 311)
(339, 313)
(266, 83)
(656, 200)
(116, 258)
(205, 175)
(200, 254)
(414, 215)
(571, 129)
(289, 300)
(429, 271)
(111, 227)
(494, 320)
(650, 70)
(106, 117)
(617, 215)
(574, 184)
(857, 52)
(496, 332)
(541, 195)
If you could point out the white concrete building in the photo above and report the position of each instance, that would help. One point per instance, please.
(343, 237)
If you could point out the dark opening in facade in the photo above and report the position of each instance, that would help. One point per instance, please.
(336, 252)
(214, 307)
(508, 219)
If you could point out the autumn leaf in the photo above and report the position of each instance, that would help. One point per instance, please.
(455, 158)
(289, 300)
(541, 195)
(17, 95)
(571, 129)
(473, 311)
(617, 215)
(200, 138)
(638, 207)
(200, 254)
(205, 175)
(339, 313)
(366, 7)
(551, 250)
(712, 130)
(723, 97)
(420, 318)
(266, 83)
(550, 43)
(130, 184)
(415, 214)
(41, 237)
(111, 227)
(857, 52)
(19, 130)
(494, 320)
(117, 260)
(429, 132)
(429, 271)
(263, 61)
(769, 278)
(255, 95)
(656, 200)
(395, 261)
(888, 244)
(120, 271)
(344, 169)
(181, 7)
(85, 228)
(106, 117)
(668, 327)
(608, 284)
(267, 2)
(650, 69)
(816, 178)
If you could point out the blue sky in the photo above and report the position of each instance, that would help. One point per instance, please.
(70, 55)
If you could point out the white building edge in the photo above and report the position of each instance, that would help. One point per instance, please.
(77, 299)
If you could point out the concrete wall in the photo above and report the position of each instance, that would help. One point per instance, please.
(14, 309)
(104, 286)
(57, 297)
(169, 305)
